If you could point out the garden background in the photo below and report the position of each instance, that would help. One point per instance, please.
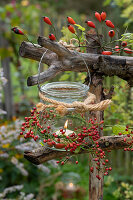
(26, 180)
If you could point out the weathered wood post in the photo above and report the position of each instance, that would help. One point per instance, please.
(96, 87)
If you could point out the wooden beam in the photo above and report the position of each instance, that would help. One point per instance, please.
(44, 154)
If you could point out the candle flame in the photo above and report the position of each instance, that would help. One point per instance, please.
(71, 185)
(65, 125)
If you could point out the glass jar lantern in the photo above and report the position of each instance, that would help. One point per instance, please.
(72, 122)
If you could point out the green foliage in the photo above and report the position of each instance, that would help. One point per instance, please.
(80, 27)
(120, 111)
(116, 188)
(128, 37)
(126, 7)
(125, 191)
(119, 129)
(67, 35)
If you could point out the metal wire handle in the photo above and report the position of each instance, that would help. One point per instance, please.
(39, 66)
(87, 70)
(38, 84)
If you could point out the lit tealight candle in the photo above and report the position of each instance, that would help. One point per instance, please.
(67, 131)
(70, 187)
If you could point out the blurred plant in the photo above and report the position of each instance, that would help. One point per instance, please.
(118, 188)
(3, 82)
(15, 167)
(124, 191)
(120, 112)
(126, 9)
(14, 14)
(12, 189)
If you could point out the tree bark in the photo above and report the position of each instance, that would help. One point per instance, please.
(96, 87)
(44, 154)
(68, 60)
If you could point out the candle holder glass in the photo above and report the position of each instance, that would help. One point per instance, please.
(71, 122)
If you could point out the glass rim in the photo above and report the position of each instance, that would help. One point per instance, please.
(65, 89)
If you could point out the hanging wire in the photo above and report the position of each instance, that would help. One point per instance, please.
(89, 74)
(88, 71)
(39, 66)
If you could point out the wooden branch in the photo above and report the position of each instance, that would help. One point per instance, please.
(110, 93)
(27, 50)
(120, 66)
(44, 154)
(53, 46)
(52, 71)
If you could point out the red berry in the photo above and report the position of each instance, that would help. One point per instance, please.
(71, 29)
(59, 145)
(98, 16)
(91, 24)
(53, 142)
(101, 122)
(97, 176)
(111, 33)
(124, 139)
(117, 48)
(50, 144)
(57, 162)
(47, 20)
(107, 160)
(17, 31)
(70, 20)
(25, 136)
(52, 37)
(109, 23)
(76, 162)
(127, 50)
(62, 163)
(92, 169)
(23, 128)
(36, 137)
(124, 44)
(103, 16)
(44, 131)
(106, 53)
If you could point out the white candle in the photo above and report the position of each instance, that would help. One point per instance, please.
(71, 187)
(67, 132)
